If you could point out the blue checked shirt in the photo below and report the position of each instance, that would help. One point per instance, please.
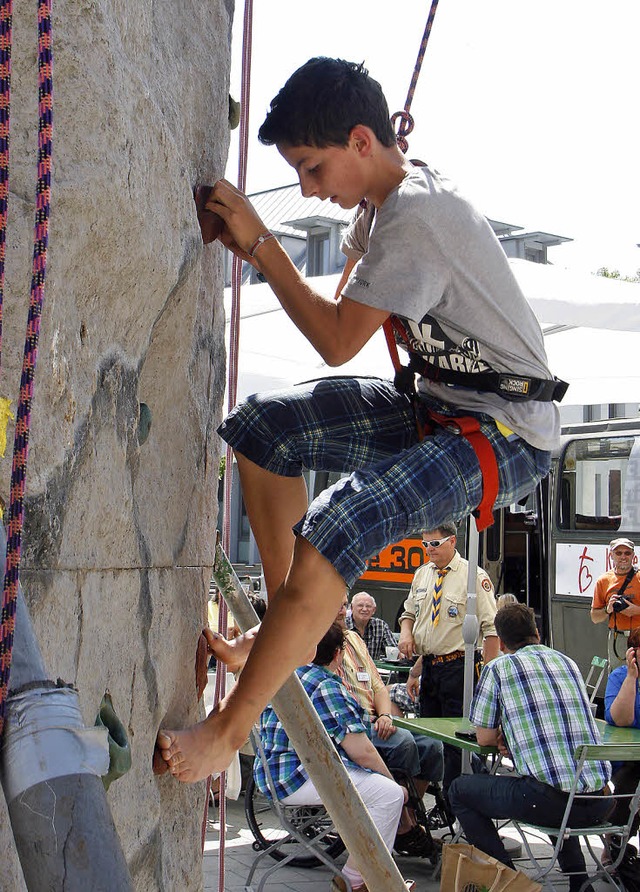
(377, 636)
(537, 696)
(340, 714)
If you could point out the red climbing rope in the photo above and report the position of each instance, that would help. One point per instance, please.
(406, 121)
(41, 238)
(405, 128)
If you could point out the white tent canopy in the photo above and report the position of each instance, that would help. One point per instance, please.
(595, 349)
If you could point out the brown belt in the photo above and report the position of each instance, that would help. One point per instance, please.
(444, 658)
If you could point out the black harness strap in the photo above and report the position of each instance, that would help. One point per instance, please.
(619, 594)
(511, 387)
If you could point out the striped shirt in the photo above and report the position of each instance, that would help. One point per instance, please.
(339, 713)
(537, 696)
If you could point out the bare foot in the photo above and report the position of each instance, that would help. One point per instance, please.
(194, 753)
(232, 653)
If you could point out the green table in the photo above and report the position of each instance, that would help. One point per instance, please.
(398, 668)
(444, 729)
(619, 736)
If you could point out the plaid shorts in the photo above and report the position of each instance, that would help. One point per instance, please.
(396, 486)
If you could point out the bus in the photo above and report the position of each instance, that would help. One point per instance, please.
(549, 550)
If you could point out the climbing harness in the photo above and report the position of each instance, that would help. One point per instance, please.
(509, 386)
(41, 238)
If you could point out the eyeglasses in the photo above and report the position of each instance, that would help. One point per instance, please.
(435, 543)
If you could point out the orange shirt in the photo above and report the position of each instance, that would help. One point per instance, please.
(607, 586)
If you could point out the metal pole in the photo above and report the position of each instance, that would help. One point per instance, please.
(63, 830)
(470, 631)
(318, 754)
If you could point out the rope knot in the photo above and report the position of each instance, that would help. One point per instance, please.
(404, 129)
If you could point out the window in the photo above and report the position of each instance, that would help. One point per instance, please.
(600, 484)
(318, 254)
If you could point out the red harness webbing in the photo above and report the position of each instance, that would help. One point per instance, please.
(469, 428)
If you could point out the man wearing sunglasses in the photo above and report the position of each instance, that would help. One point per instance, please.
(431, 626)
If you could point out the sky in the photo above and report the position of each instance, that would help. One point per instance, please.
(530, 107)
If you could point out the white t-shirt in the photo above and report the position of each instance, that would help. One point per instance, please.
(431, 259)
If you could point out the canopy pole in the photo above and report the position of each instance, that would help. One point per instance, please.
(470, 632)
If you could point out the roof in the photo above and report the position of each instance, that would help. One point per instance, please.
(284, 210)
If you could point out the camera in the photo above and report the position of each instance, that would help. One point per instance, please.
(620, 603)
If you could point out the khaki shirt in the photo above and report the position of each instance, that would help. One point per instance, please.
(446, 636)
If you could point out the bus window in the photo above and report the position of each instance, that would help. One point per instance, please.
(600, 484)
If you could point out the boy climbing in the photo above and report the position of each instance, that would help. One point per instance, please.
(422, 257)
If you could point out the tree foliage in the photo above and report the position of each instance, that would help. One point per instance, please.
(607, 273)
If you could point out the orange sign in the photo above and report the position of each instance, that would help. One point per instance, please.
(396, 563)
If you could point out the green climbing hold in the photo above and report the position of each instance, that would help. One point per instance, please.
(234, 112)
(144, 423)
(119, 749)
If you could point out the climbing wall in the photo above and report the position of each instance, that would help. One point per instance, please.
(122, 484)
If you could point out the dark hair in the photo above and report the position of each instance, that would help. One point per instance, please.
(258, 603)
(516, 626)
(322, 102)
(634, 637)
(332, 639)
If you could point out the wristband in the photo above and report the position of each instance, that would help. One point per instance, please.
(259, 241)
(385, 714)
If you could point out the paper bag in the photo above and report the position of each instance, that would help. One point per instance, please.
(467, 869)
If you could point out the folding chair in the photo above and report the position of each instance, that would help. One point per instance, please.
(546, 863)
(594, 678)
(299, 836)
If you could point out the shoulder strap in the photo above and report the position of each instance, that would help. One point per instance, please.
(627, 580)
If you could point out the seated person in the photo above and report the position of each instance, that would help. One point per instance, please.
(405, 696)
(347, 727)
(504, 599)
(414, 755)
(374, 631)
(622, 708)
(519, 706)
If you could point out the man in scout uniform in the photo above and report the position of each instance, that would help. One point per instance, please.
(431, 626)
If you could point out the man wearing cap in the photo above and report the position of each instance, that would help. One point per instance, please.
(431, 626)
(616, 599)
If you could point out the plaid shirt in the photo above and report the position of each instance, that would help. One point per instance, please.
(339, 713)
(537, 696)
(377, 636)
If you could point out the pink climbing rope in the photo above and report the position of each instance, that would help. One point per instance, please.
(41, 238)
(232, 385)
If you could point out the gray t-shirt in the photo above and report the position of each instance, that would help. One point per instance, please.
(432, 260)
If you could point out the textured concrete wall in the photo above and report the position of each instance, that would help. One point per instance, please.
(119, 535)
